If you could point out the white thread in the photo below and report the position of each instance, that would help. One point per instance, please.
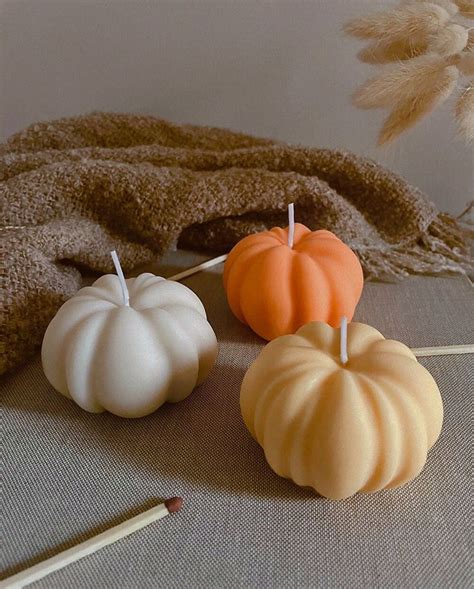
(121, 277)
(291, 224)
(344, 357)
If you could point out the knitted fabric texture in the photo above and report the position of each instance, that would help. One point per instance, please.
(74, 189)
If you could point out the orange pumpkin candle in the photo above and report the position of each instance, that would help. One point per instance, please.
(278, 280)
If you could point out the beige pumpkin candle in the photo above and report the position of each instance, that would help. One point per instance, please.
(337, 419)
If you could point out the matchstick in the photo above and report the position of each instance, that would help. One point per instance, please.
(199, 268)
(444, 350)
(40, 570)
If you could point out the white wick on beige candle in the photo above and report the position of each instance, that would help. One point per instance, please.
(121, 277)
(291, 224)
(344, 357)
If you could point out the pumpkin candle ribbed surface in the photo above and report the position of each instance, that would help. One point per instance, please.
(276, 289)
(341, 428)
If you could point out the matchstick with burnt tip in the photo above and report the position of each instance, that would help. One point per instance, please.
(90, 546)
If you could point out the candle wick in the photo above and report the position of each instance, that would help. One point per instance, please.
(344, 357)
(121, 277)
(291, 224)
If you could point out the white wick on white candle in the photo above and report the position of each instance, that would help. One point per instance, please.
(291, 224)
(344, 357)
(121, 277)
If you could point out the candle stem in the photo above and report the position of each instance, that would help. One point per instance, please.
(291, 224)
(344, 357)
(121, 277)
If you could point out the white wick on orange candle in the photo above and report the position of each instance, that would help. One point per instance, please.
(291, 224)
(121, 277)
(344, 357)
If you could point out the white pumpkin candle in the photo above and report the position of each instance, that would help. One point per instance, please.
(129, 346)
(341, 421)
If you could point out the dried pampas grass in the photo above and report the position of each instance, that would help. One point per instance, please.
(465, 113)
(450, 7)
(450, 40)
(405, 82)
(410, 20)
(466, 64)
(415, 106)
(383, 52)
(423, 51)
(466, 7)
(470, 41)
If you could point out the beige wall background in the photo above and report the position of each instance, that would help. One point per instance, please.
(277, 68)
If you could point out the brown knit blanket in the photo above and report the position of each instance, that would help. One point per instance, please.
(74, 189)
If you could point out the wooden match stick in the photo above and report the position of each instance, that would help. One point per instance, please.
(40, 570)
(199, 268)
(444, 350)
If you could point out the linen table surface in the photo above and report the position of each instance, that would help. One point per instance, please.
(68, 474)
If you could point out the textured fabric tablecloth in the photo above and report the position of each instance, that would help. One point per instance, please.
(68, 474)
